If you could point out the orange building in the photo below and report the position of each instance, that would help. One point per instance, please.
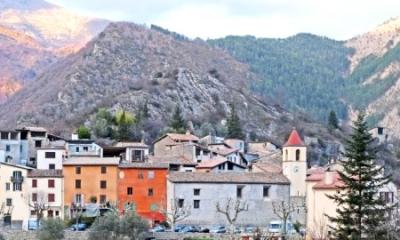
(90, 179)
(145, 186)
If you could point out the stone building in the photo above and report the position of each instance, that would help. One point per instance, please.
(202, 191)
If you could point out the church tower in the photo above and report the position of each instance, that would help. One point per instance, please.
(294, 163)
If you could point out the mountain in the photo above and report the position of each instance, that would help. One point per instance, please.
(127, 65)
(33, 35)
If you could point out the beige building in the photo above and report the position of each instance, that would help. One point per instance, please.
(294, 163)
(46, 187)
(14, 193)
(164, 146)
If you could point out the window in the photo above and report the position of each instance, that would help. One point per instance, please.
(266, 191)
(196, 204)
(239, 191)
(85, 149)
(50, 213)
(286, 155)
(21, 148)
(17, 187)
(78, 198)
(297, 154)
(50, 183)
(137, 155)
(230, 166)
(103, 169)
(103, 199)
(38, 143)
(77, 184)
(52, 166)
(8, 187)
(8, 148)
(150, 192)
(57, 213)
(76, 149)
(51, 197)
(386, 197)
(103, 184)
(13, 135)
(78, 170)
(9, 202)
(380, 130)
(34, 183)
(4, 135)
(50, 154)
(181, 202)
(140, 175)
(129, 191)
(150, 174)
(196, 192)
(34, 197)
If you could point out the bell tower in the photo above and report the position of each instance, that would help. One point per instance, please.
(294, 163)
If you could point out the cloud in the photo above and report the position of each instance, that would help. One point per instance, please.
(339, 19)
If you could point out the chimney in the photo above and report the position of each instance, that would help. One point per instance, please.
(328, 177)
(74, 136)
(187, 132)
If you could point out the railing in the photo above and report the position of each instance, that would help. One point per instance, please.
(17, 179)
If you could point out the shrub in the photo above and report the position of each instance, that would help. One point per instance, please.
(112, 226)
(51, 229)
(83, 132)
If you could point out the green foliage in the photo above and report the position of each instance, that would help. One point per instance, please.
(83, 132)
(234, 125)
(115, 227)
(360, 212)
(178, 123)
(333, 121)
(300, 72)
(51, 229)
(124, 122)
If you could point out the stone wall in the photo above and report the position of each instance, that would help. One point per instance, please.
(13, 234)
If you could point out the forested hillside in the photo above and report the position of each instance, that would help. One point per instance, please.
(304, 72)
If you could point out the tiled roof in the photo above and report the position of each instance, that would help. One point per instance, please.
(45, 173)
(179, 159)
(92, 161)
(130, 144)
(144, 165)
(268, 167)
(182, 137)
(294, 139)
(34, 129)
(227, 177)
(320, 178)
(215, 162)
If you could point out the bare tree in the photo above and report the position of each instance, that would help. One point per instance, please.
(39, 204)
(283, 210)
(231, 210)
(177, 212)
(320, 231)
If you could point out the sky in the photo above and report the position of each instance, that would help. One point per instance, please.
(338, 19)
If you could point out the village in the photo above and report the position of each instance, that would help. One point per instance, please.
(181, 183)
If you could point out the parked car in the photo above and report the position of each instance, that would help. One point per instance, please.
(237, 230)
(190, 229)
(249, 229)
(204, 230)
(79, 227)
(33, 224)
(178, 228)
(158, 228)
(276, 227)
(218, 229)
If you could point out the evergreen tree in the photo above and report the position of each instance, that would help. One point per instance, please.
(333, 122)
(360, 213)
(233, 125)
(124, 122)
(83, 132)
(178, 123)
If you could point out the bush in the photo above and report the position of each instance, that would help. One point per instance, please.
(83, 132)
(51, 229)
(115, 227)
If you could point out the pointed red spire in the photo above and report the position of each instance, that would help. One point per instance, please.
(294, 139)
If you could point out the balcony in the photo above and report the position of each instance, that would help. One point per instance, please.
(17, 179)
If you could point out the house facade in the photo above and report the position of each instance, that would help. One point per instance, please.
(14, 194)
(203, 191)
(89, 180)
(51, 158)
(144, 186)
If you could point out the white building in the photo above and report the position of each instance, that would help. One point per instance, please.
(202, 191)
(51, 157)
(83, 147)
(14, 193)
(46, 186)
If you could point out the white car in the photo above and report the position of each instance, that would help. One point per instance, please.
(276, 227)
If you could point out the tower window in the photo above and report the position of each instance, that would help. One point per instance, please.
(297, 154)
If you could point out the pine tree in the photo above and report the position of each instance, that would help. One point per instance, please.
(178, 123)
(233, 125)
(124, 121)
(333, 121)
(360, 213)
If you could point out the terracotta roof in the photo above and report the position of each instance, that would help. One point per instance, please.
(215, 162)
(225, 151)
(130, 144)
(182, 137)
(319, 177)
(159, 165)
(268, 167)
(45, 173)
(294, 139)
(179, 159)
(92, 161)
(227, 177)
